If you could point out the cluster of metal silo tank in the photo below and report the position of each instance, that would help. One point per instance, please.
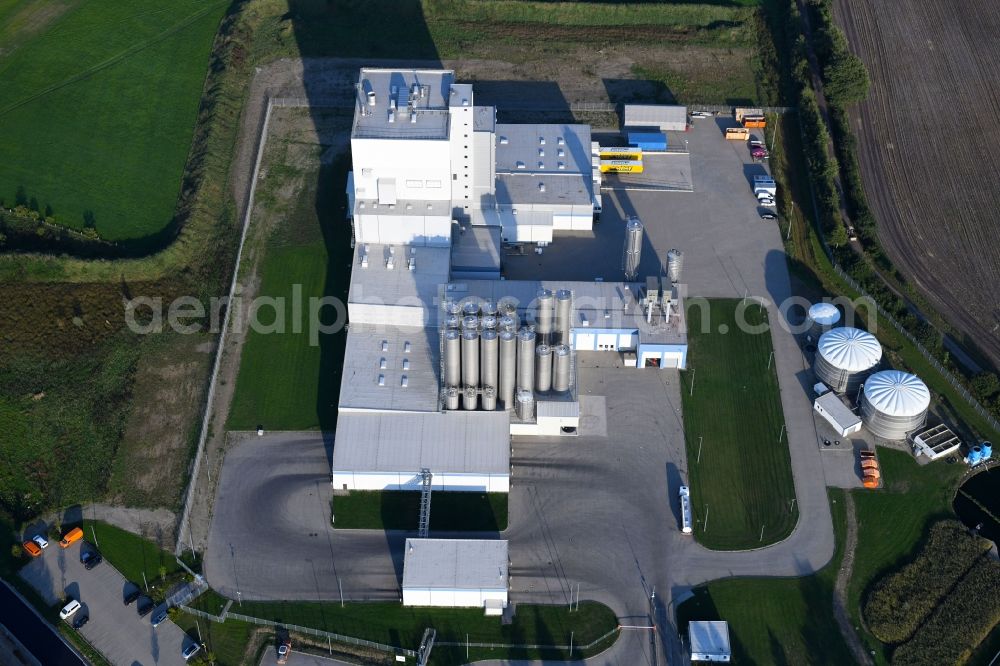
(491, 361)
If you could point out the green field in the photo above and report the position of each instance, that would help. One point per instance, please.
(778, 620)
(743, 479)
(287, 381)
(893, 522)
(99, 105)
(396, 510)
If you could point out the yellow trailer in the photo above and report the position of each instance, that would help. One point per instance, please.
(737, 133)
(621, 166)
(621, 153)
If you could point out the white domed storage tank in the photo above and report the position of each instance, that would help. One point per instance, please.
(894, 403)
(845, 357)
(821, 318)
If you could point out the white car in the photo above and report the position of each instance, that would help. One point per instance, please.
(40, 540)
(69, 609)
(190, 651)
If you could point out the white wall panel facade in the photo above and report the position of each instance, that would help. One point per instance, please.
(352, 480)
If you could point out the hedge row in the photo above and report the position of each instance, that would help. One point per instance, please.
(902, 601)
(959, 624)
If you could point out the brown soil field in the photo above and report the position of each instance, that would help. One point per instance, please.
(928, 148)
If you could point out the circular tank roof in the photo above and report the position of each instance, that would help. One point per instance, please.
(897, 393)
(850, 349)
(825, 314)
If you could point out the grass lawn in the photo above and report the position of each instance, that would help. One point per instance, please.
(893, 521)
(400, 510)
(743, 479)
(99, 106)
(778, 620)
(131, 554)
(288, 379)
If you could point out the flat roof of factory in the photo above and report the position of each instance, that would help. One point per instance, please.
(378, 285)
(456, 442)
(430, 105)
(379, 360)
(455, 564)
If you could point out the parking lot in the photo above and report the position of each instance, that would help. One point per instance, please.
(115, 629)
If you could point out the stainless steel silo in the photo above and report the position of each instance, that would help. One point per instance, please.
(452, 308)
(507, 305)
(675, 264)
(508, 323)
(544, 314)
(508, 368)
(543, 368)
(632, 252)
(452, 358)
(525, 359)
(452, 321)
(470, 322)
(470, 308)
(561, 368)
(488, 370)
(525, 406)
(451, 398)
(488, 307)
(488, 321)
(489, 398)
(470, 358)
(564, 315)
(470, 399)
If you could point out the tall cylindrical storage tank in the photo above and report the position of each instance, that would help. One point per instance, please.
(525, 360)
(452, 358)
(470, 399)
(507, 306)
(632, 252)
(488, 321)
(470, 308)
(489, 359)
(561, 368)
(470, 322)
(543, 368)
(489, 308)
(452, 321)
(543, 320)
(675, 264)
(564, 315)
(508, 322)
(821, 318)
(525, 406)
(489, 398)
(470, 358)
(987, 451)
(894, 403)
(451, 398)
(508, 368)
(845, 357)
(452, 308)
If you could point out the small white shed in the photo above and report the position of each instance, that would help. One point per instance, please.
(665, 117)
(831, 407)
(709, 641)
(456, 573)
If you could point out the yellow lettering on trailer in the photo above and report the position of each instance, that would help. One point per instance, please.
(630, 153)
(621, 166)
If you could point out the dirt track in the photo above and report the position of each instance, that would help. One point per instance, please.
(928, 148)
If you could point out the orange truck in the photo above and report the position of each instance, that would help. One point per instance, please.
(737, 133)
(750, 117)
(71, 537)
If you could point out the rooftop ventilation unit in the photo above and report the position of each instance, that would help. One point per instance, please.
(413, 116)
(560, 141)
(519, 164)
(541, 141)
(503, 141)
(541, 164)
(381, 380)
(541, 187)
(392, 116)
(404, 381)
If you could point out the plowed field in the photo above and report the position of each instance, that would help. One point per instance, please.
(929, 147)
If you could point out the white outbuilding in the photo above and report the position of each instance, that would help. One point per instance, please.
(835, 412)
(709, 641)
(456, 573)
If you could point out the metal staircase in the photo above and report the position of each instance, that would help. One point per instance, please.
(423, 526)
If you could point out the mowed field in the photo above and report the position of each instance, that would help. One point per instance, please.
(742, 482)
(928, 148)
(99, 105)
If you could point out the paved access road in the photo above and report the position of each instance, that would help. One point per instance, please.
(115, 629)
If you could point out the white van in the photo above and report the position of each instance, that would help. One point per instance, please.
(68, 610)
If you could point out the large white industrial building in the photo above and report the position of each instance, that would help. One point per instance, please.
(456, 573)
(445, 360)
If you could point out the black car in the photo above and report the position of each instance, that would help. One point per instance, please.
(144, 606)
(132, 595)
(80, 620)
(160, 617)
(90, 558)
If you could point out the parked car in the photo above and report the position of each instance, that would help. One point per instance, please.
(755, 141)
(144, 606)
(284, 650)
(69, 609)
(41, 541)
(852, 234)
(190, 651)
(132, 595)
(80, 620)
(160, 617)
(90, 559)
(767, 215)
(31, 548)
(71, 537)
